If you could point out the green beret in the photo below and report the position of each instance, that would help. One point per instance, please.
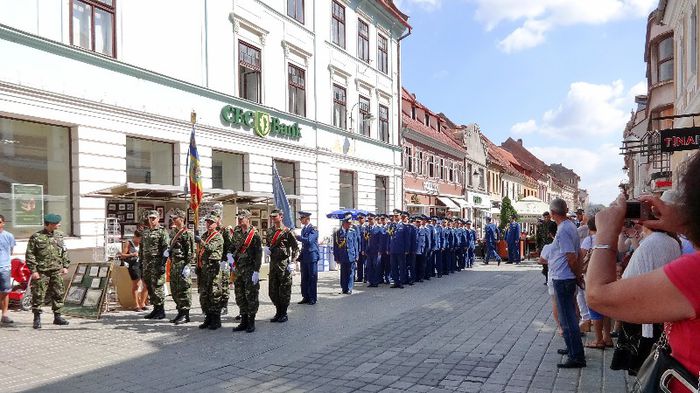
(52, 218)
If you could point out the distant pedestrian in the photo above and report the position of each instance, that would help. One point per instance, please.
(7, 244)
(130, 255)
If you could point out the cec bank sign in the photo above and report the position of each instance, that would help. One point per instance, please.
(261, 122)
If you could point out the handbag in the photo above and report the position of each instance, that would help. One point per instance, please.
(660, 368)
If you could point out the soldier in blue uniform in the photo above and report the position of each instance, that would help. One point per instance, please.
(346, 252)
(385, 271)
(447, 243)
(432, 247)
(461, 242)
(491, 238)
(411, 256)
(513, 240)
(422, 247)
(361, 229)
(399, 237)
(471, 235)
(376, 244)
(308, 259)
(440, 242)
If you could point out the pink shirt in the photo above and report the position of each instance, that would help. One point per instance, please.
(685, 335)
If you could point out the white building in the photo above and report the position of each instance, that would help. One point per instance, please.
(96, 95)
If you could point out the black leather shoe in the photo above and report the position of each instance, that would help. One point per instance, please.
(563, 351)
(303, 301)
(394, 286)
(243, 325)
(184, 318)
(179, 317)
(215, 322)
(312, 302)
(571, 364)
(59, 320)
(250, 327)
(207, 321)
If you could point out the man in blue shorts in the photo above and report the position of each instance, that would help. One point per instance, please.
(7, 243)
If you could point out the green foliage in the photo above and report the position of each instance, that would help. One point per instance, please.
(507, 210)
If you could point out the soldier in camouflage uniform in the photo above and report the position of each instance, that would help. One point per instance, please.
(47, 260)
(284, 250)
(182, 257)
(153, 254)
(226, 233)
(211, 247)
(246, 250)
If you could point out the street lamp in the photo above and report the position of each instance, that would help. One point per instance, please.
(365, 117)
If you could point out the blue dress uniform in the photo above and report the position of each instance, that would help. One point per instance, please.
(440, 242)
(361, 261)
(385, 270)
(430, 252)
(376, 246)
(422, 251)
(308, 259)
(471, 235)
(513, 240)
(491, 234)
(399, 238)
(346, 252)
(461, 236)
(411, 257)
(446, 247)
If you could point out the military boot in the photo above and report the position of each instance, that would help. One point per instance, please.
(59, 320)
(215, 321)
(243, 325)
(159, 312)
(182, 317)
(152, 313)
(276, 318)
(283, 314)
(250, 328)
(37, 320)
(207, 321)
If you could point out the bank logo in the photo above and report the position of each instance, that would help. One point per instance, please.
(262, 124)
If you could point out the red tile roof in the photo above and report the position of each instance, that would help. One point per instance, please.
(443, 136)
(389, 5)
(527, 160)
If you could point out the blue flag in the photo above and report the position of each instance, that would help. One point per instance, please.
(281, 202)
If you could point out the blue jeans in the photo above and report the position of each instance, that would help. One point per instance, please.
(347, 275)
(398, 269)
(565, 291)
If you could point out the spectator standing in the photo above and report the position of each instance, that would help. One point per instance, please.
(7, 244)
(130, 255)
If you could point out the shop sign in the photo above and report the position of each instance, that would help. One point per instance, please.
(27, 205)
(261, 122)
(679, 139)
(430, 187)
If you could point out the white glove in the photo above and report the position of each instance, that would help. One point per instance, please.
(256, 277)
(166, 253)
(223, 265)
(266, 250)
(186, 272)
(291, 268)
(229, 258)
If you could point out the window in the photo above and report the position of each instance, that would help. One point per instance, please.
(338, 24)
(384, 123)
(665, 64)
(421, 163)
(297, 90)
(295, 9)
(363, 40)
(427, 119)
(413, 112)
(347, 190)
(92, 26)
(365, 119)
(482, 178)
(250, 72)
(470, 176)
(383, 54)
(288, 175)
(227, 170)
(149, 161)
(408, 159)
(431, 166)
(34, 154)
(442, 169)
(339, 107)
(451, 172)
(380, 194)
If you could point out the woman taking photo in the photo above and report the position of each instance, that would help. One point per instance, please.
(130, 254)
(668, 294)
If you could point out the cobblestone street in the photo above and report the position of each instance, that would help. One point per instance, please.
(489, 329)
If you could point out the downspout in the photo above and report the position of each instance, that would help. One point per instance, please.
(400, 111)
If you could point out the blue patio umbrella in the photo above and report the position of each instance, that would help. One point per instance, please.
(340, 214)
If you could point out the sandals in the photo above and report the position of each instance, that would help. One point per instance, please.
(595, 345)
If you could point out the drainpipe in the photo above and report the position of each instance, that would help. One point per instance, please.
(400, 109)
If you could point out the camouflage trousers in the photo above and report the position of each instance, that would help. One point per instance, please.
(225, 282)
(180, 285)
(280, 284)
(154, 278)
(210, 289)
(51, 282)
(246, 293)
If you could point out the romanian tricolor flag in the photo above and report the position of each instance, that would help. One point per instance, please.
(195, 178)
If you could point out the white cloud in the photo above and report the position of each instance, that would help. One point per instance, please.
(589, 110)
(599, 167)
(406, 5)
(541, 16)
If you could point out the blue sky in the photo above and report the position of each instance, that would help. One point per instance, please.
(560, 74)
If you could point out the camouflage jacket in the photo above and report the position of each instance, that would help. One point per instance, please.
(285, 246)
(211, 248)
(155, 242)
(251, 259)
(182, 247)
(46, 252)
(227, 234)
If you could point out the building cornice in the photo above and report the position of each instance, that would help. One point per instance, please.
(435, 144)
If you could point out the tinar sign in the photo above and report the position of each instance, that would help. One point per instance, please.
(680, 139)
(261, 122)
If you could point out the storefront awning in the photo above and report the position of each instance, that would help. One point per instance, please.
(461, 202)
(140, 191)
(248, 197)
(448, 202)
(530, 208)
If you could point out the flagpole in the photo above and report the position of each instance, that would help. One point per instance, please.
(193, 119)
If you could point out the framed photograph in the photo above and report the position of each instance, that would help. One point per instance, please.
(161, 212)
(95, 283)
(255, 223)
(92, 298)
(263, 225)
(263, 214)
(130, 216)
(111, 206)
(81, 269)
(130, 207)
(75, 295)
(122, 206)
(255, 213)
(94, 270)
(77, 279)
(111, 215)
(129, 230)
(103, 271)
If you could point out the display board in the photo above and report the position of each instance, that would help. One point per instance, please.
(86, 292)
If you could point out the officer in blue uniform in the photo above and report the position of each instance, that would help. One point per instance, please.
(471, 235)
(376, 244)
(491, 235)
(346, 252)
(411, 256)
(308, 259)
(385, 270)
(361, 229)
(447, 243)
(422, 247)
(432, 247)
(461, 242)
(440, 241)
(513, 240)
(399, 236)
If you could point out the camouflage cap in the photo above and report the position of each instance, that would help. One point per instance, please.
(153, 213)
(52, 218)
(212, 216)
(275, 213)
(243, 213)
(179, 213)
